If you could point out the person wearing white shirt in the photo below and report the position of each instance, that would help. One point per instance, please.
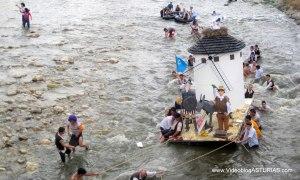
(258, 73)
(270, 83)
(176, 128)
(222, 107)
(250, 137)
(165, 124)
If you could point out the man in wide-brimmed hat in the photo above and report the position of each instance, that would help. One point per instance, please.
(222, 107)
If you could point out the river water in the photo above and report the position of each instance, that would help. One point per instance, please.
(112, 68)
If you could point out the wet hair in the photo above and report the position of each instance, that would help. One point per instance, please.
(258, 67)
(23, 4)
(172, 109)
(263, 102)
(165, 29)
(61, 129)
(268, 75)
(177, 115)
(26, 10)
(81, 171)
(248, 117)
(253, 110)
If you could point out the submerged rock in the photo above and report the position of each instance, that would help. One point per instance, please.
(31, 166)
(45, 142)
(12, 91)
(52, 85)
(58, 109)
(35, 110)
(23, 151)
(21, 160)
(37, 78)
(33, 34)
(2, 169)
(23, 137)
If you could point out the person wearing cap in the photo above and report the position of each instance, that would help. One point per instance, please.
(222, 107)
(249, 138)
(75, 129)
(63, 148)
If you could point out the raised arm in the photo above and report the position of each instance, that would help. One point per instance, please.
(92, 174)
(151, 174)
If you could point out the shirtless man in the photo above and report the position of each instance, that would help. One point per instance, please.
(169, 32)
(80, 173)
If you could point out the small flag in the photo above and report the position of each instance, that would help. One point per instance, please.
(181, 64)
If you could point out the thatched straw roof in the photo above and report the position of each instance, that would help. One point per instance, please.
(216, 41)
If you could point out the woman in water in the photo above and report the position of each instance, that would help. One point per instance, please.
(75, 130)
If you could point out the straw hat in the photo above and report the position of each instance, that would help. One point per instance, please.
(221, 88)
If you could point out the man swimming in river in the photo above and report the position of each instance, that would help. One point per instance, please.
(169, 32)
(80, 173)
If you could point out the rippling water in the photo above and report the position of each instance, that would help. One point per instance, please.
(119, 80)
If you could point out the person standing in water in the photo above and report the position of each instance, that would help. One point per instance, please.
(26, 15)
(63, 148)
(82, 172)
(270, 83)
(75, 130)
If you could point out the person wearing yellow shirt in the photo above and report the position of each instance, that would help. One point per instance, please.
(254, 125)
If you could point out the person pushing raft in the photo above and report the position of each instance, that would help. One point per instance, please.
(75, 130)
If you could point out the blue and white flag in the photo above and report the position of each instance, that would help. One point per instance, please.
(181, 64)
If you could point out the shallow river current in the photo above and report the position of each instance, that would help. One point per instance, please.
(112, 68)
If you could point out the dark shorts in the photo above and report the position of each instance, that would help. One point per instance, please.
(74, 141)
(63, 154)
(164, 131)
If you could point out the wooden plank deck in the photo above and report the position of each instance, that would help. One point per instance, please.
(191, 136)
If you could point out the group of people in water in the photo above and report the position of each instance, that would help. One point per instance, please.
(252, 68)
(172, 125)
(74, 129)
(178, 11)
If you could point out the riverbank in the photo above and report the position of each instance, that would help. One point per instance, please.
(291, 8)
